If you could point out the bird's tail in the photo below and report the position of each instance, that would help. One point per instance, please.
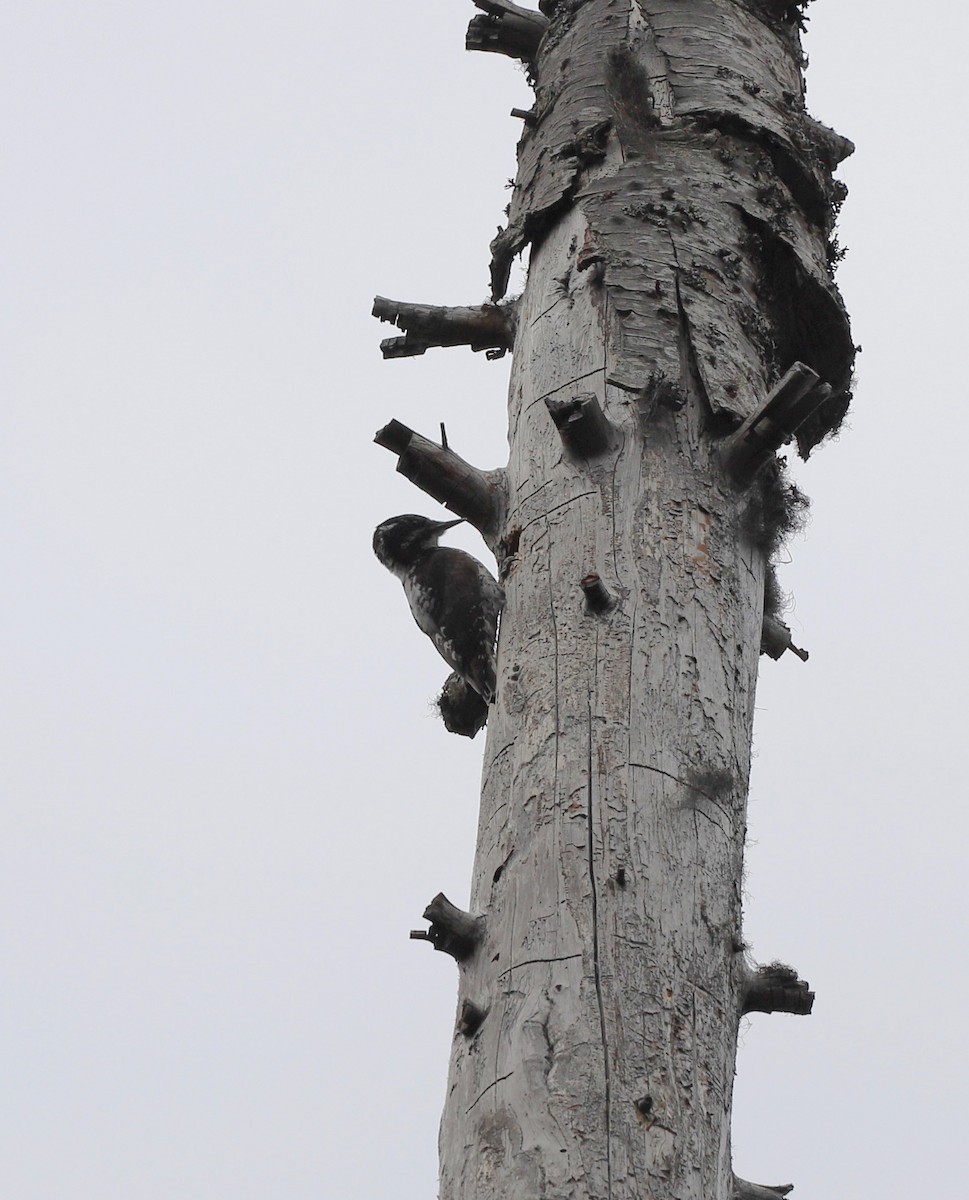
(482, 676)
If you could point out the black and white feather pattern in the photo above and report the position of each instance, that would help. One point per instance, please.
(456, 601)
(452, 597)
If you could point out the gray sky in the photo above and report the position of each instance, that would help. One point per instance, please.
(224, 799)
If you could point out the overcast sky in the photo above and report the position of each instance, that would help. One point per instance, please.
(224, 799)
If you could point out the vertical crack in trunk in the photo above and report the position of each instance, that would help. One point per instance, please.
(677, 254)
(612, 516)
(691, 378)
(606, 1071)
(661, 94)
(509, 988)
(555, 660)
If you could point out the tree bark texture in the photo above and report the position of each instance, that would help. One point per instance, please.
(678, 203)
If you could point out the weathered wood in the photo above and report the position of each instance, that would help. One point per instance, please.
(775, 639)
(780, 12)
(620, 748)
(615, 992)
(452, 930)
(471, 1018)
(598, 598)
(582, 425)
(525, 114)
(489, 327)
(729, 244)
(792, 401)
(477, 496)
(743, 1190)
(776, 988)
(506, 28)
(678, 205)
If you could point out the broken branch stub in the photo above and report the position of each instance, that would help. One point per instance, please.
(452, 931)
(775, 638)
(790, 11)
(488, 327)
(776, 988)
(506, 29)
(472, 494)
(742, 1190)
(795, 398)
(583, 427)
(471, 1018)
(598, 598)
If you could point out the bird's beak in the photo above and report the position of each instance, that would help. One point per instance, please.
(442, 525)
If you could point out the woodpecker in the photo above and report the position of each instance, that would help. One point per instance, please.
(453, 598)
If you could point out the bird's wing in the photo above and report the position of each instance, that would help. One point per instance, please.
(455, 600)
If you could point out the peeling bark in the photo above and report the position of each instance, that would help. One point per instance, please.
(678, 203)
(617, 746)
(795, 399)
(707, 101)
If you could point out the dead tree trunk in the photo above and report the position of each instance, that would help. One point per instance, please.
(679, 325)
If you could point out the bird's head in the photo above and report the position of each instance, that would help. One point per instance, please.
(398, 541)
